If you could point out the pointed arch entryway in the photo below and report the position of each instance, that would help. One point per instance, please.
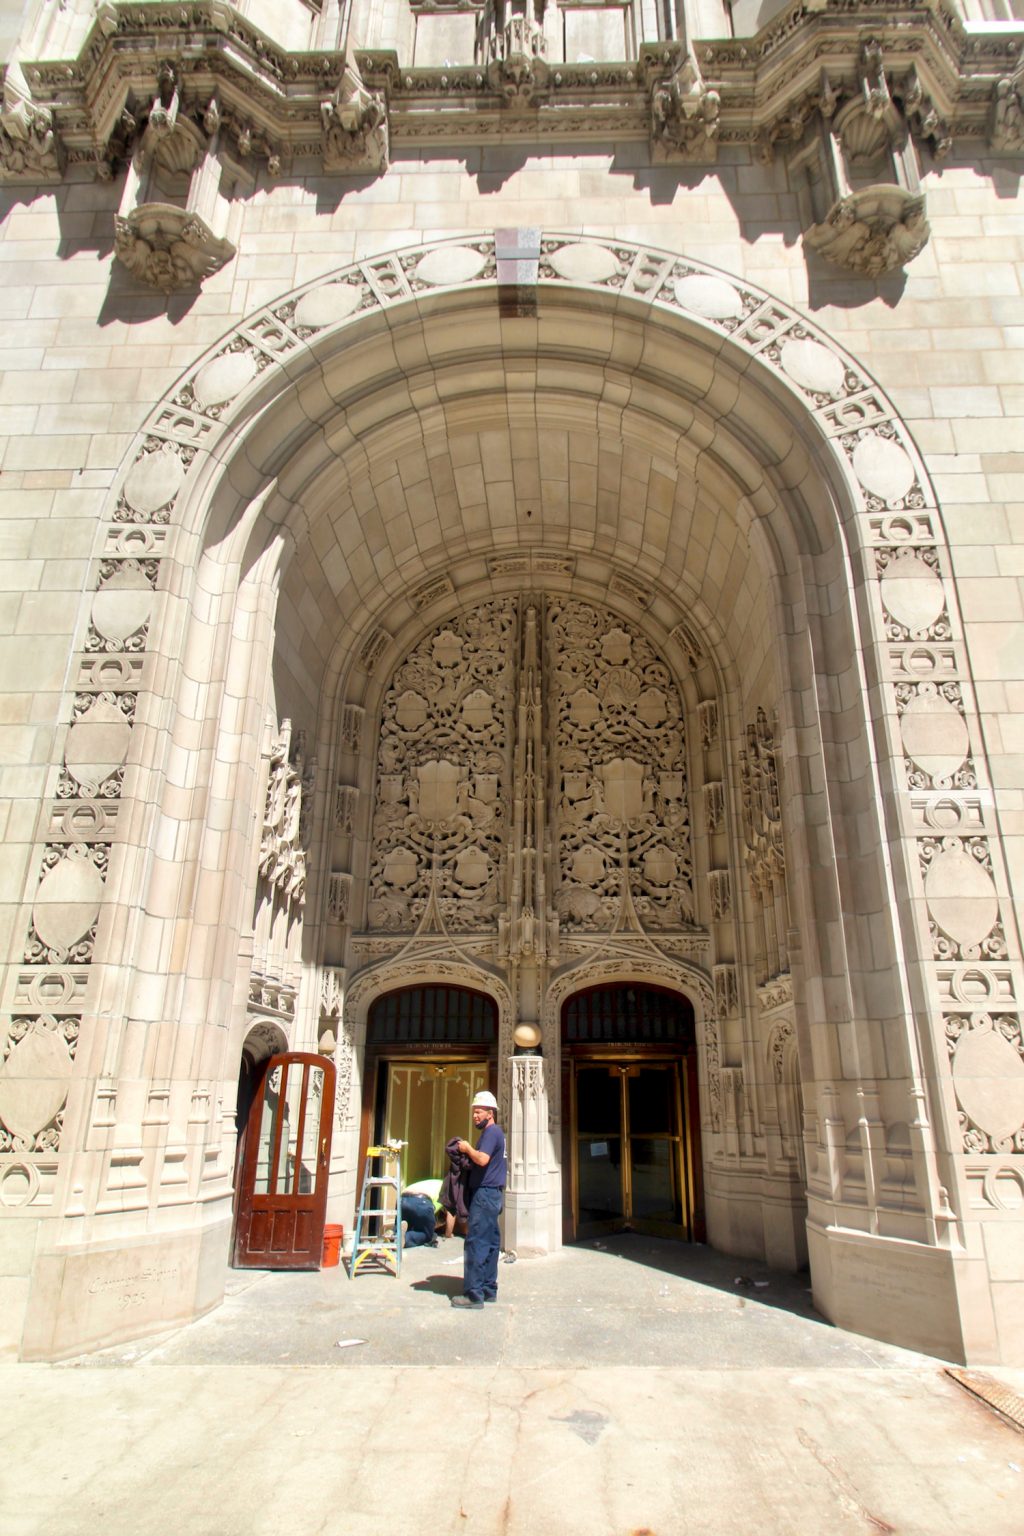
(359, 462)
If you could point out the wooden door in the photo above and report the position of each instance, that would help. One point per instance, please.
(279, 1222)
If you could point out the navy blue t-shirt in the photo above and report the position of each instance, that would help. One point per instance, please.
(492, 1141)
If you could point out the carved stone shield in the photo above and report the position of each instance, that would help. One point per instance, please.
(623, 788)
(439, 789)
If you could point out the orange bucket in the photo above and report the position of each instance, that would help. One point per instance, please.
(333, 1239)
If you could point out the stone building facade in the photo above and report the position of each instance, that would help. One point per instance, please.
(518, 503)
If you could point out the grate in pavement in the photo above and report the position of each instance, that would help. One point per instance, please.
(994, 1394)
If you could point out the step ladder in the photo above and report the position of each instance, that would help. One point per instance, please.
(377, 1239)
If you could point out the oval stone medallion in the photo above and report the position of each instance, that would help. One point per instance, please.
(154, 480)
(223, 378)
(912, 593)
(123, 604)
(328, 305)
(67, 902)
(813, 366)
(97, 743)
(934, 734)
(34, 1082)
(883, 467)
(961, 896)
(450, 264)
(711, 297)
(585, 263)
(988, 1075)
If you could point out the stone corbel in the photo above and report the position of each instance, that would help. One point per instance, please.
(356, 133)
(172, 229)
(1006, 123)
(684, 115)
(30, 148)
(859, 180)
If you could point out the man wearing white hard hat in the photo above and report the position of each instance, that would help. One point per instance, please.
(486, 1190)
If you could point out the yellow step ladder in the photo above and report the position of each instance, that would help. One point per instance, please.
(377, 1239)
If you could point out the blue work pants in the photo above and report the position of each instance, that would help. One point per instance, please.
(483, 1244)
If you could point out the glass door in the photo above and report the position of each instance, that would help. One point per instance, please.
(282, 1190)
(630, 1153)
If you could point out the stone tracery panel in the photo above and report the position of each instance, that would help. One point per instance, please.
(621, 803)
(441, 805)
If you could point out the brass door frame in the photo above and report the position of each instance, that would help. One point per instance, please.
(682, 1141)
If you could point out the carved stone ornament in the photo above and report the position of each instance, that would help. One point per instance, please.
(517, 69)
(443, 770)
(872, 232)
(685, 115)
(621, 807)
(355, 128)
(1006, 131)
(169, 248)
(861, 189)
(286, 817)
(30, 150)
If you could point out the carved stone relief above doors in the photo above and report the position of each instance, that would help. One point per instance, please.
(531, 774)
(620, 795)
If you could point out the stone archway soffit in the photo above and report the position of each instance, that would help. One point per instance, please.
(307, 369)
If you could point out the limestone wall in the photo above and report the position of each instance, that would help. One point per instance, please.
(86, 353)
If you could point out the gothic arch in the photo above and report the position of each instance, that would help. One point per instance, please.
(258, 464)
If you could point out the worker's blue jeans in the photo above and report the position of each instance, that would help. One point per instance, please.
(483, 1243)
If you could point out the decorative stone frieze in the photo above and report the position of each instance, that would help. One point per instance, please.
(351, 107)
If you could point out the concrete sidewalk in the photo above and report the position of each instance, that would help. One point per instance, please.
(622, 1389)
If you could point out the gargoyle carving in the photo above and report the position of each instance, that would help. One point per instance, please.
(517, 67)
(29, 147)
(684, 114)
(1006, 131)
(872, 232)
(355, 127)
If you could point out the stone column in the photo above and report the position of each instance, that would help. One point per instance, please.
(526, 1205)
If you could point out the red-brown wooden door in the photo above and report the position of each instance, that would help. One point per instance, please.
(282, 1189)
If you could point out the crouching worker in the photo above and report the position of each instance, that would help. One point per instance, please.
(486, 1189)
(420, 1213)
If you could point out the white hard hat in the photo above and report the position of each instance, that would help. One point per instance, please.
(484, 1100)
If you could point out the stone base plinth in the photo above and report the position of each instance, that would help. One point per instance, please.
(903, 1293)
(88, 1298)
